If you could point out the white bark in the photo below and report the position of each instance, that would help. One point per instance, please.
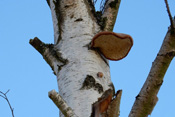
(78, 28)
(76, 65)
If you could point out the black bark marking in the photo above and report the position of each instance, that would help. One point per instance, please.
(90, 82)
(60, 18)
(72, 16)
(78, 20)
(98, 87)
(113, 4)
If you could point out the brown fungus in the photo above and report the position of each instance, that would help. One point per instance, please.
(100, 74)
(113, 46)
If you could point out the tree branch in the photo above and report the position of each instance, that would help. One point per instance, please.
(169, 14)
(6, 98)
(110, 14)
(61, 104)
(147, 98)
(49, 53)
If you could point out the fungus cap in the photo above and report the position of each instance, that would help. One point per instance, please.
(113, 46)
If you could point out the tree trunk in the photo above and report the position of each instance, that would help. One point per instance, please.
(75, 64)
(81, 67)
(77, 27)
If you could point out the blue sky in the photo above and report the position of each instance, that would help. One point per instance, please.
(29, 78)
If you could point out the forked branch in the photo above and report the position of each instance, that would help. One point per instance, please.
(4, 95)
(169, 14)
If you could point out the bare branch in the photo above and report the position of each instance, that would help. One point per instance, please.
(169, 14)
(4, 95)
(61, 104)
(7, 91)
(110, 14)
(147, 98)
(49, 54)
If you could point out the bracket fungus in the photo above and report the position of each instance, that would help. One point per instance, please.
(113, 46)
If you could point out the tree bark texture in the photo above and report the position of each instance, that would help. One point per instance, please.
(147, 98)
(77, 66)
(83, 76)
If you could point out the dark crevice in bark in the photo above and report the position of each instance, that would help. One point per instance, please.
(91, 6)
(100, 20)
(60, 19)
(102, 57)
(97, 15)
(78, 20)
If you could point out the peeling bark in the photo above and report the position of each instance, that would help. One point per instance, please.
(100, 107)
(107, 105)
(114, 107)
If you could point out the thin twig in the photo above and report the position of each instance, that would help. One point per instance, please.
(2, 96)
(102, 5)
(6, 98)
(94, 2)
(169, 14)
(7, 91)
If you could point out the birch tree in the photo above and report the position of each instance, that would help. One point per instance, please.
(83, 44)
